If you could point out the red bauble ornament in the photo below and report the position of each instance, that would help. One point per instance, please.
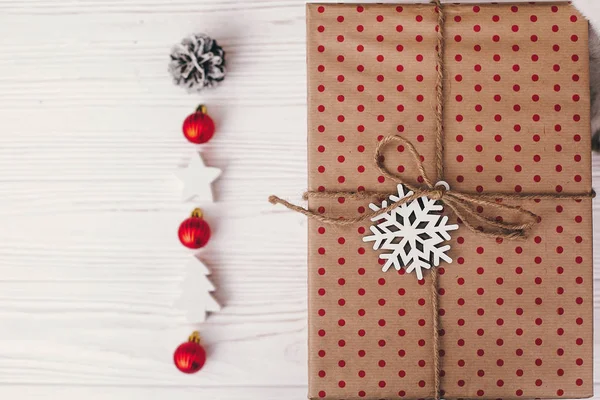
(198, 127)
(190, 356)
(194, 232)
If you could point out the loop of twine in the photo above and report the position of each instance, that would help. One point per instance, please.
(463, 205)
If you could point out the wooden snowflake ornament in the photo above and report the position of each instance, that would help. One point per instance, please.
(412, 233)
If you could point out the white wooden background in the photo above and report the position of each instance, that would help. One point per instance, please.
(90, 263)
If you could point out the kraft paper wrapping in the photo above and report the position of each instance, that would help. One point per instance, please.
(516, 316)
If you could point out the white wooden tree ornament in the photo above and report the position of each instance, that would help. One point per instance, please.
(197, 179)
(196, 298)
(413, 233)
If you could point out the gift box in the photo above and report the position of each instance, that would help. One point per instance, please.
(514, 316)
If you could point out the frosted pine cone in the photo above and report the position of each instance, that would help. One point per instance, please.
(197, 62)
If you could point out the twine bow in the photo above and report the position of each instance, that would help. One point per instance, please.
(463, 205)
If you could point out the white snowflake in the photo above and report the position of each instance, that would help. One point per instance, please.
(413, 232)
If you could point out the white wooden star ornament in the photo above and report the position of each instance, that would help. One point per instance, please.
(197, 179)
(196, 299)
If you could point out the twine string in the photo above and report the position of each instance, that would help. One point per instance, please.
(439, 164)
(463, 205)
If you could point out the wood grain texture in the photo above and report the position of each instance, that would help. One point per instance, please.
(89, 259)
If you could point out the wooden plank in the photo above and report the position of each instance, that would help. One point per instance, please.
(155, 392)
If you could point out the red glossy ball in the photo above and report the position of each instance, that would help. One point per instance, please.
(198, 127)
(189, 357)
(194, 233)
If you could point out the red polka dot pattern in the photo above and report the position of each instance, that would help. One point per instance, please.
(516, 317)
